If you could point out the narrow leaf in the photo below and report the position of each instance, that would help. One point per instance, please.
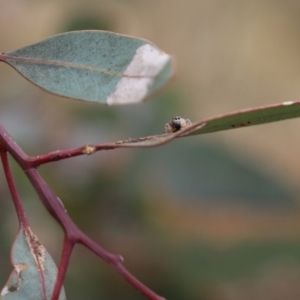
(34, 273)
(248, 117)
(94, 66)
(239, 119)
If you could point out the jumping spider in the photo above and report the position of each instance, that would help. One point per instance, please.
(176, 124)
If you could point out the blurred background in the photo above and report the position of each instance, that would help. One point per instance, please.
(212, 217)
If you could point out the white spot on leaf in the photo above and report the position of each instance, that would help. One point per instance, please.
(288, 103)
(140, 74)
(13, 283)
(4, 291)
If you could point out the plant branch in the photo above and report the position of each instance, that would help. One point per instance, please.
(13, 190)
(29, 162)
(116, 261)
(8, 144)
(63, 265)
(74, 235)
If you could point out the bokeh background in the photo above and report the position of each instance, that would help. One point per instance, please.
(212, 217)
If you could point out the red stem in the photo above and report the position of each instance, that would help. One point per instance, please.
(73, 234)
(116, 261)
(27, 162)
(63, 265)
(13, 190)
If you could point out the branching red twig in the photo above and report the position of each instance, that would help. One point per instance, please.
(13, 190)
(28, 162)
(73, 235)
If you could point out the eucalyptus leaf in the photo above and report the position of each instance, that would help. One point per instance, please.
(34, 273)
(96, 66)
(238, 119)
(247, 117)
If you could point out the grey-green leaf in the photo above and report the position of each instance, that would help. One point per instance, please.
(248, 117)
(94, 66)
(238, 119)
(34, 273)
